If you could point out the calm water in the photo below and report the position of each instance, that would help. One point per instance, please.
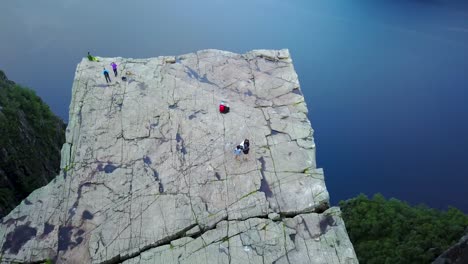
(385, 81)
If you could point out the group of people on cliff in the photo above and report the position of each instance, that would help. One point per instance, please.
(242, 148)
(105, 71)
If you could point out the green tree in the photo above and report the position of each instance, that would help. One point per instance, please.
(392, 231)
(30, 140)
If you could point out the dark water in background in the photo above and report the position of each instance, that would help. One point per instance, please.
(385, 81)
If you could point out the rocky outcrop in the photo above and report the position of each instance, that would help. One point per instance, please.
(149, 174)
(456, 254)
(30, 141)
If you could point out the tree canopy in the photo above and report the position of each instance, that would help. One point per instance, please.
(391, 231)
(30, 140)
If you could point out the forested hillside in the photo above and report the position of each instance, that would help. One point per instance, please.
(31, 137)
(392, 231)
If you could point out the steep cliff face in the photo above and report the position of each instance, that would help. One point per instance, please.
(149, 174)
(456, 254)
(30, 141)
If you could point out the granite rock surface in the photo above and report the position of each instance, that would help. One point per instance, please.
(456, 254)
(149, 174)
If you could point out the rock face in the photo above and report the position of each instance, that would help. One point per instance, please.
(30, 141)
(149, 174)
(456, 254)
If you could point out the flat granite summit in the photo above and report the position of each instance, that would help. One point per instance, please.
(149, 174)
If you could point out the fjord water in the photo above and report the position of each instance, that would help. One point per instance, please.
(385, 81)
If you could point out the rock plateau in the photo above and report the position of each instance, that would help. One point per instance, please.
(149, 175)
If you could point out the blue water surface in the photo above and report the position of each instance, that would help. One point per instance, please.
(385, 81)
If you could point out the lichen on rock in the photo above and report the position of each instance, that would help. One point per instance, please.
(149, 174)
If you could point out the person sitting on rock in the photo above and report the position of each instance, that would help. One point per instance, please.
(92, 58)
(223, 108)
(238, 151)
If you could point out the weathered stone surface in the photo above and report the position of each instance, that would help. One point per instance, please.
(149, 174)
(456, 254)
(306, 238)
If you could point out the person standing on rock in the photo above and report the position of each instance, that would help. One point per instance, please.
(106, 74)
(245, 147)
(114, 67)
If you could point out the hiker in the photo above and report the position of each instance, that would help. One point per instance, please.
(91, 58)
(114, 67)
(245, 147)
(238, 151)
(223, 108)
(106, 74)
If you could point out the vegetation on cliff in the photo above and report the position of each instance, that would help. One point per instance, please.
(391, 231)
(31, 137)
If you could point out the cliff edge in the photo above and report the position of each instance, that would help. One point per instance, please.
(456, 254)
(149, 175)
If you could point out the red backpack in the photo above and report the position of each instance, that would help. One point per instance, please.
(222, 108)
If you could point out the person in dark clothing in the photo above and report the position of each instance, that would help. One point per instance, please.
(114, 67)
(106, 74)
(245, 147)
